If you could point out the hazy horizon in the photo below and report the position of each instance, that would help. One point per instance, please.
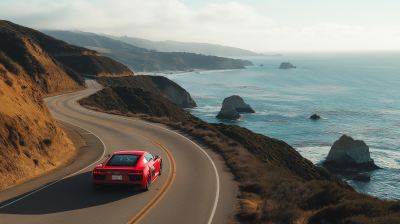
(260, 26)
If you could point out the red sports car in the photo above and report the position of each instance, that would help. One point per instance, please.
(127, 169)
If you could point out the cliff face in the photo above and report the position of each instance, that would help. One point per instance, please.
(31, 143)
(28, 47)
(156, 84)
(202, 61)
(95, 65)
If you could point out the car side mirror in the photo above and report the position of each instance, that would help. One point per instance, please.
(156, 157)
(108, 155)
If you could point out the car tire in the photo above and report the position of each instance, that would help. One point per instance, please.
(160, 171)
(148, 182)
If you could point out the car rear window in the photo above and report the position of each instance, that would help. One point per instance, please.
(123, 160)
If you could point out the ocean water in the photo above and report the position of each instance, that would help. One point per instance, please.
(357, 94)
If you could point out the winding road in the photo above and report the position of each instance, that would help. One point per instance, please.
(196, 186)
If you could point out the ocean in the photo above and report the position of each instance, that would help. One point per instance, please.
(357, 94)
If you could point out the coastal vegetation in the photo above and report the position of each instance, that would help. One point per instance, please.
(157, 84)
(95, 65)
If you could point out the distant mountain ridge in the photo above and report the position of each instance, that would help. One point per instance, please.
(140, 59)
(83, 39)
(191, 47)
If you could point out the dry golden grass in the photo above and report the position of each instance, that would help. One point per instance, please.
(31, 143)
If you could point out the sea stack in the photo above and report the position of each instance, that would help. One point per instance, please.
(228, 112)
(238, 103)
(231, 106)
(315, 117)
(349, 153)
(286, 65)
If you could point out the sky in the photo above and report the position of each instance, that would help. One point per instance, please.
(257, 25)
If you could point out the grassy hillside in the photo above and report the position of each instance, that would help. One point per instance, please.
(144, 61)
(156, 84)
(31, 143)
(22, 45)
(95, 65)
(134, 100)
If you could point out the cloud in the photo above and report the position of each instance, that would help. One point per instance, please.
(234, 24)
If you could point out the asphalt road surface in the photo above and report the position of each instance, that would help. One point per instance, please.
(196, 186)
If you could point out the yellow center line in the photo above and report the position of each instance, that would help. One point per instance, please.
(171, 175)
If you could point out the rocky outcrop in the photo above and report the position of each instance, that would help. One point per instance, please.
(238, 103)
(156, 84)
(286, 65)
(228, 112)
(135, 100)
(315, 117)
(362, 177)
(349, 153)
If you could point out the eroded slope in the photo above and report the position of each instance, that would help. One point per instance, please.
(31, 143)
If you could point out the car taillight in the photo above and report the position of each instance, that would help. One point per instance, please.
(136, 172)
(99, 172)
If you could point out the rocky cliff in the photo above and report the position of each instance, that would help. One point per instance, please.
(31, 143)
(156, 84)
(32, 50)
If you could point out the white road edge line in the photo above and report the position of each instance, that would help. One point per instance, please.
(212, 162)
(104, 150)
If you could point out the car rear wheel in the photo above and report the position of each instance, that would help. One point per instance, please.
(148, 182)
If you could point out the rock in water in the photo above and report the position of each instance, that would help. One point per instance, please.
(238, 103)
(349, 153)
(228, 112)
(362, 177)
(286, 65)
(315, 117)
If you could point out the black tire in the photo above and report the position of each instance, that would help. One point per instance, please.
(148, 182)
(160, 171)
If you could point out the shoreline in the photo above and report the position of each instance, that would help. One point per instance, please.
(197, 70)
